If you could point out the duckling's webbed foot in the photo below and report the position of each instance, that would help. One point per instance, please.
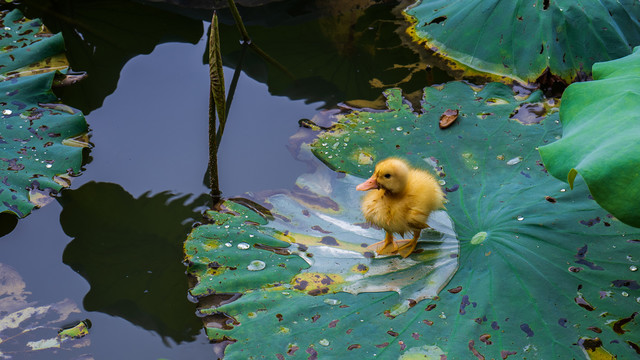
(385, 247)
(407, 246)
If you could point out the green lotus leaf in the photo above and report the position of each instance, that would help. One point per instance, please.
(521, 39)
(129, 251)
(316, 245)
(26, 327)
(600, 130)
(27, 47)
(544, 272)
(41, 141)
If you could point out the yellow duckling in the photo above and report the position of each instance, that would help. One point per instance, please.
(399, 201)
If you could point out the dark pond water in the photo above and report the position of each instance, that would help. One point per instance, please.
(112, 243)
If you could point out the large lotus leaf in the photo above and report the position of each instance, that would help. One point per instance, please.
(29, 330)
(599, 140)
(322, 243)
(520, 39)
(129, 250)
(41, 142)
(543, 271)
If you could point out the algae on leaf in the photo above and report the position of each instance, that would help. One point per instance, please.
(41, 140)
(521, 39)
(600, 121)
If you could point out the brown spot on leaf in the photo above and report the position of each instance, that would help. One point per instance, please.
(383, 345)
(333, 324)
(595, 329)
(313, 354)
(430, 307)
(392, 333)
(315, 317)
(505, 354)
(279, 317)
(485, 338)
(455, 290)
(353, 346)
(387, 313)
(292, 350)
(617, 326)
(415, 336)
(349, 331)
(428, 322)
(584, 303)
(551, 199)
(474, 351)
(301, 284)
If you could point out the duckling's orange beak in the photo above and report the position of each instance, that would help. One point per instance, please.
(371, 183)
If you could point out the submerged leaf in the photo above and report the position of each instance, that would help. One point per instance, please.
(600, 122)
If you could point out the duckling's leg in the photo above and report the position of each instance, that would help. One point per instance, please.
(386, 246)
(406, 249)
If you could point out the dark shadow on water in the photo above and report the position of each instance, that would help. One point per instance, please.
(101, 36)
(8, 222)
(130, 251)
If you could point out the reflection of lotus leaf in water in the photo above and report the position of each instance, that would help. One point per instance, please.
(129, 250)
(336, 50)
(599, 139)
(520, 39)
(102, 36)
(543, 272)
(26, 327)
(41, 142)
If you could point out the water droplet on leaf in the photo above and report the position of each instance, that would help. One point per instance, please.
(324, 342)
(243, 246)
(520, 218)
(515, 160)
(332, 301)
(256, 265)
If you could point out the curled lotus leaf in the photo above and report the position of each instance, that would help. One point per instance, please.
(41, 141)
(522, 39)
(599, 138)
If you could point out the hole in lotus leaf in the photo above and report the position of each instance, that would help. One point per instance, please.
(220, 321)
(496, 101)
(529, 113)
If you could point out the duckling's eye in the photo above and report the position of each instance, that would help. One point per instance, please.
(387, 175)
